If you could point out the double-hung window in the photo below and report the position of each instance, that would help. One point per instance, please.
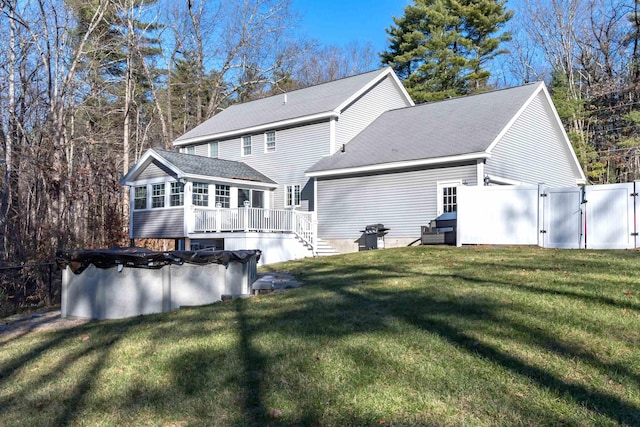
(200, 194)
(157, 195)
(140, 197)
(223, 196)
(176, 194)
(189, 150)
(292, 195)
(213, 149)
(270, 141)
(246, 145)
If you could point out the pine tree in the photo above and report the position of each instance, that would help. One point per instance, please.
(440, 48)
(571, 111)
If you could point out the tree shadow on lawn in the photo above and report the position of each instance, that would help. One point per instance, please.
(466, 311)
(95, 341)
(336, 294)
(587, 284)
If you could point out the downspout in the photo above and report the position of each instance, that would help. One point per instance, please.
(131, 203)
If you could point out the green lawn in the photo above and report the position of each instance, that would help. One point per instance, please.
(411, 336)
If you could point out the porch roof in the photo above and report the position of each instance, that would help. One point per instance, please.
(194, 167)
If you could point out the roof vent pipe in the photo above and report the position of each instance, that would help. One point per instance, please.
(285, 99)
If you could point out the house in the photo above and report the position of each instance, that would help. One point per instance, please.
(304, 172)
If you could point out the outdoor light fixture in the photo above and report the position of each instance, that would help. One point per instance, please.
(486, 180)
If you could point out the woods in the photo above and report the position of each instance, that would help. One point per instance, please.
(87, 86)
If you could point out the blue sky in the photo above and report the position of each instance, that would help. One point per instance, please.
(340, 22)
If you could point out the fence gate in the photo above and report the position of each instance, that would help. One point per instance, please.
(589, 217)
(562, 218)
(610, 216)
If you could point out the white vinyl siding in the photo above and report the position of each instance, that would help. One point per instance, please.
(298, 149)
(155, 170)
(533, 150)
(158, 224)
(409, 201)
(384, 96)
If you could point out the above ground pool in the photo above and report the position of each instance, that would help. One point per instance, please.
(126, 282)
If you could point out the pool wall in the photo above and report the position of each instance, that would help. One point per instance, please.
(120, 291)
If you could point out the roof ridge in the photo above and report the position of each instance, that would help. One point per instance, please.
(471, 95)
(376, 71)
(458, 98)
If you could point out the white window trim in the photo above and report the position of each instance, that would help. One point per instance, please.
(164, 195)
(286, 194)
(169, 187)
(146, 197)
(242, 139)
(167, 195)
(206, 186)
(275, 141)
(440, 185)
(230, 196)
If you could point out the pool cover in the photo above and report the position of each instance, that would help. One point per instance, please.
(79, 260)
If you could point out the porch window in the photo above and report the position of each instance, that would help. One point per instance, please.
(244, 195)
(140, 197)
(292, 195)
(157, 195)
(213, 149)
(270, 141)
(223, 196)
(257, 199)
(246, 145)
(176, 194)
(200, 194)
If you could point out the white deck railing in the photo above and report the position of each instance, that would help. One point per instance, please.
(207, 220)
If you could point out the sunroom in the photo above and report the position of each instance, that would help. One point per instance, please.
(203, 202)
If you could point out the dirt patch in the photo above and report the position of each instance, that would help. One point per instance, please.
(41, 321)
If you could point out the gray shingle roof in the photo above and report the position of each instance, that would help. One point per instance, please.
(191, 164)
(453, 127)
(309, 101)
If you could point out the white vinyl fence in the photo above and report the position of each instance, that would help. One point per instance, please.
(592, 217)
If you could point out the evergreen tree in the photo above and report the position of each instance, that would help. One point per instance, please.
(573, 115)
(440, 48)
